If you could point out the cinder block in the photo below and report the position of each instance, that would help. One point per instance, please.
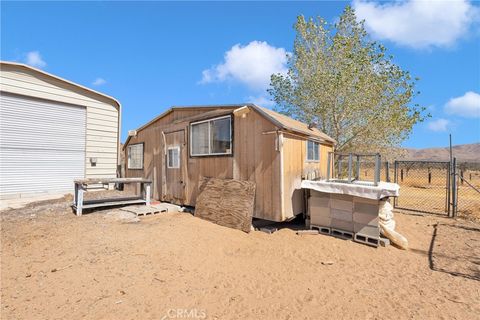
(365, 200)
(366, 230)
(345, 205)
(365, 218)
(384, 242)
(342, 234)
(365, 208)
(342, 225)
(319, 202)
(318, 194)
(321, 218)
(268, 230)
(321, 229)
(344, 197)
(341, 215)
(319, 211)
(365, 239)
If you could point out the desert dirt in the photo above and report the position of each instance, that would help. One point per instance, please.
(55, 265)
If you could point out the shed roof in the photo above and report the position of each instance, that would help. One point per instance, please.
(23, 66)
(282, 121)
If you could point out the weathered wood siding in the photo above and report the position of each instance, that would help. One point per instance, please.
(254, 159)
(102, 125)
(296, 166)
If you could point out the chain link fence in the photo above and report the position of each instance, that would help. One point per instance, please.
(468, 189)
(424, 186)
(438, 187)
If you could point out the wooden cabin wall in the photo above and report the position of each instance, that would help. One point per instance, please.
(153, 154)
(218, 167)
(295, 166)
(256, 159)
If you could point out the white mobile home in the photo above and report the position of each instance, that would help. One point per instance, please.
(53, 131)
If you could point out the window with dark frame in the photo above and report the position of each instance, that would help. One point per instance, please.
(135, 156)
(173, 157)
(211, 137)
(313, 151)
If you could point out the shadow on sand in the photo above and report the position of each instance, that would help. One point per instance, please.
(455, 249)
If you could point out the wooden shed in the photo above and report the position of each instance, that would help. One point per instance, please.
(244, 142)
(53, 131)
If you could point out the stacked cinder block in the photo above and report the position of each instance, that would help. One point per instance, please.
(345, 216)
(365, 220)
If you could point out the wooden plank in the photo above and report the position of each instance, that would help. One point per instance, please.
(111, 180)
(109, 204)
(226, 202)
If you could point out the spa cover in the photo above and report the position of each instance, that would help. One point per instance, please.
(358, 189)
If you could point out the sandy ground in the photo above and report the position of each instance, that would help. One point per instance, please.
(58, 266)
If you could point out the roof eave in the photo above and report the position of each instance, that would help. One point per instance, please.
(22, 65)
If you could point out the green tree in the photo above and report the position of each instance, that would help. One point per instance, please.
(347, 86)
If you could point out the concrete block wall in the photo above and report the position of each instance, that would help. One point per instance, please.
(344, 212)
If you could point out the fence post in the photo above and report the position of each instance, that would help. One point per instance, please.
(387, 167)
(358, 169)
(350, 167)
(378, 165)
(449, 184)
(401, 175)
(454, 188)
(395, 179)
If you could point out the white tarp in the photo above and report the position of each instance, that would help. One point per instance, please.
(383, 190)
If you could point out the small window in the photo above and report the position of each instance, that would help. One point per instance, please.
(135, 156)
(211, 137)
(313, 151)
(173, 157)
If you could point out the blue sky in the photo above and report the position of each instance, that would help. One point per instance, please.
(152, 55)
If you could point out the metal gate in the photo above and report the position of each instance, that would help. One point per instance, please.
(424, 186)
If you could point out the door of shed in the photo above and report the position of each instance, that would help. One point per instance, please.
(42, 146)
(175, 166)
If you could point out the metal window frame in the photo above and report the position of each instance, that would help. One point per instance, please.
(176, 147)
(306, 156)
(209, 138)
(129, 152)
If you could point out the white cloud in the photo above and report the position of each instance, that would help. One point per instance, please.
(261, 101)
(418, 23)
(251, 65)
(99, 82)
(439, 125)
(34, 59)
(467, 106)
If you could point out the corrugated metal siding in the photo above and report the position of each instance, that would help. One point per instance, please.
(42, 145)
(102, 117)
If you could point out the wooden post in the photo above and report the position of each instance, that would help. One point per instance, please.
(79, 199)
(401, 175)
(147, 194)
(429, 176)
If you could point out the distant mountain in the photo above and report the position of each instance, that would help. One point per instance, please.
(463, 153)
